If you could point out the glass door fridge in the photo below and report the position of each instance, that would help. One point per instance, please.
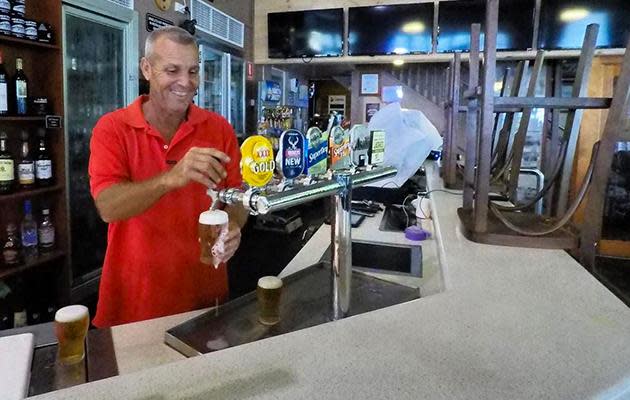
(100, 62)
(222, 86)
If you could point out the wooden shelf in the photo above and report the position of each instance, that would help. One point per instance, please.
(31, 192)
(8, 271)
(11, 39)
(18, 118)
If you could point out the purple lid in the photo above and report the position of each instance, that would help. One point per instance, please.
(415, 232)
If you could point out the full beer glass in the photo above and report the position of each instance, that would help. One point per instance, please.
(71, 325)
(268, 293)
(211, 223)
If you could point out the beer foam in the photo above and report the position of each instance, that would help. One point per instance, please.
(213, 217)
(270, 282)
(71, 313)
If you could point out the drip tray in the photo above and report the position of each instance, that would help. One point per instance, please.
(306, 302)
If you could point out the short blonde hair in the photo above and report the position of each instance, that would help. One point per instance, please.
(174, 33)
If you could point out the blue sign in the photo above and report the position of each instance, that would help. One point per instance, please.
(270, 91)
(292, 153)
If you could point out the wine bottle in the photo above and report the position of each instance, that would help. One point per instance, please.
(21, 88)
(43, 162)
(26, 166)
(7, 166)
(46, 232)
(4, 90)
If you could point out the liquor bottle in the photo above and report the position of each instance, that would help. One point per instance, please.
(4, 89)
(11, 248)
(46, 232)
(19, 307)
(28, 229)
(26, 166)
(43, 161)
(7, 166)
(21, 88)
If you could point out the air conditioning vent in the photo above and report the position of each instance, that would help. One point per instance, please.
(125, 3)
(217, 23)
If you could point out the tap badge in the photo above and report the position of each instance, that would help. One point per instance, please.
(316, 151)
(292, 153)
(360, 145)
(257, 163)
(339, 148)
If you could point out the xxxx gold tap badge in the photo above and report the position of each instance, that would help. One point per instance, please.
(257, 163)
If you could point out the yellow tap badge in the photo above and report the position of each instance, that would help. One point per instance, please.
(257, 162)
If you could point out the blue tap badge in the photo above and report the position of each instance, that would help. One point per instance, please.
(292, 153)
(316, 151)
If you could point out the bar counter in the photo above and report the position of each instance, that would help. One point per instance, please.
(492, 322)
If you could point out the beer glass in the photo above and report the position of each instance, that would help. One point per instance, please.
(71, 325)
(211, 223)
(268, 294)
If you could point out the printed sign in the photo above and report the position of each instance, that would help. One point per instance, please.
(339, 148)
(292, 153)
(271, 91)
(154, 22)
(257, 163)
(377, 147)
(316, 151)
(53, 121)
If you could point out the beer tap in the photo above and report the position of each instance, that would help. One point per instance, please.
(340, 186)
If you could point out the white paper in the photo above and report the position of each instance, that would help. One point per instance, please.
(16, 355)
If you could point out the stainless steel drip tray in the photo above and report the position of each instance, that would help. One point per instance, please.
(306, 302)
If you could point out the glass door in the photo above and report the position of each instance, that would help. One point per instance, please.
(211, 85)
(99, 55)
(237, 95)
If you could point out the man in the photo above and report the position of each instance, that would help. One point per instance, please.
(150, 166)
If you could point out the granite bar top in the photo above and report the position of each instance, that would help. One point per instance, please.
(497, 323)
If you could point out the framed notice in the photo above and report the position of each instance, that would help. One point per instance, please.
(370, 110)
(369, 84)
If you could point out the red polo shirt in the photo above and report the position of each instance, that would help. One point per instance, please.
(152, 266)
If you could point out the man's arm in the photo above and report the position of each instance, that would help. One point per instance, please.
(128, 199)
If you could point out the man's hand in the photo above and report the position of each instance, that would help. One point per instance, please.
(199, 164)
(227, 243)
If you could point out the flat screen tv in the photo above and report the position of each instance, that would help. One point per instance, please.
(312, 33)
(516, 24)
(563, 23)
(391, 29)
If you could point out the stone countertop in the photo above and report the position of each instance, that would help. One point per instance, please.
(511, 323)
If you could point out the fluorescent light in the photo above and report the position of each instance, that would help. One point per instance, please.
(574, 14)
(398, 62)
(413, 27)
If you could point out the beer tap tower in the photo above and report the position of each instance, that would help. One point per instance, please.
(340, 186)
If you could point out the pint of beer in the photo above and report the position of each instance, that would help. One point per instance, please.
(71, 325)
(211, 223)
(268, 293)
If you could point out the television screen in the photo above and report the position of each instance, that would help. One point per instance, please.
(516, 24)
(563, 23)
(391, 29)
(313, 33)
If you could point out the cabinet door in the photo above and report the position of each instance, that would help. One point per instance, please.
(97, 51)
(237, 95)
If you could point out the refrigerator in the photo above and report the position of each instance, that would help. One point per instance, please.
(222, 85)
(100, 64)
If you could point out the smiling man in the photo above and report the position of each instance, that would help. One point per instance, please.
(150, 166)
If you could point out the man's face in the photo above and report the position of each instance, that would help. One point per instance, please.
(173, 75)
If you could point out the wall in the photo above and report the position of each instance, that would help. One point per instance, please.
(411, 99)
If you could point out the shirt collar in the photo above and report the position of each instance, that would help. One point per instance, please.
(135, 118)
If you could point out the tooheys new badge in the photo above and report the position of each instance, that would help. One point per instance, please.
(257, 163)
(291, 153)
(316, 151)
(339, 148)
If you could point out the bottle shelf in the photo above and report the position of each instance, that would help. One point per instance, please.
(7, 271)
(31, 192)
(17, 118)
(9, 39)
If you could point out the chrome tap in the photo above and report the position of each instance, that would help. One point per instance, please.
(340, 186)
